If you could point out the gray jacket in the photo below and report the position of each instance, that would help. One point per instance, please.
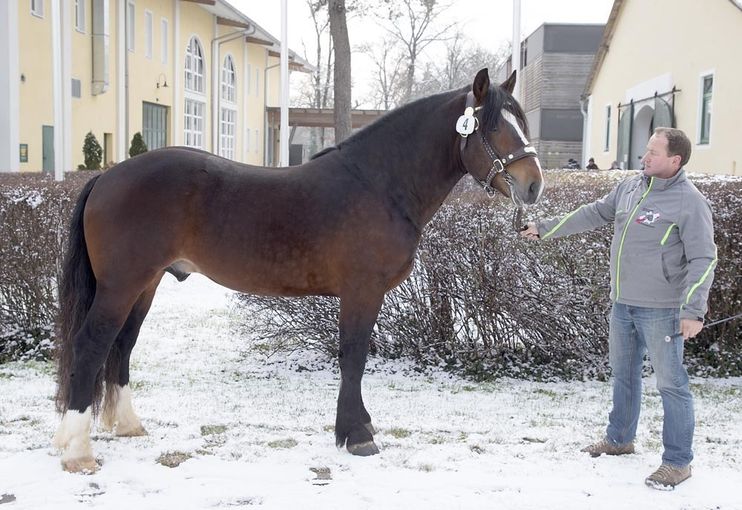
(663, 253)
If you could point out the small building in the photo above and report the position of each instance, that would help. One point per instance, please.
(555, 62)
(182, 72)
(673, 63)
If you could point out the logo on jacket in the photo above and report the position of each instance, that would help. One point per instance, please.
(648, 217)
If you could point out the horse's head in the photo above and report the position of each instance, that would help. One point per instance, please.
(498, 154)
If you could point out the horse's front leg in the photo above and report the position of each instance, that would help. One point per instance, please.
(353, 423)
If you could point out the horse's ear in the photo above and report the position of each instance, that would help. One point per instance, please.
(509, 84)
(481, 85)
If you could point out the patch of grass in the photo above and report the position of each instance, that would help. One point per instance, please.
(477, 449)
(329, 428)
(548, 393)
(210, 430)
(426, 468)
(173, 459)
(283, 443)
(399, 433)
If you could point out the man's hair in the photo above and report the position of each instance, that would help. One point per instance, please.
(677, 143)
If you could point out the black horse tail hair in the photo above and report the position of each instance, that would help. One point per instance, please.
(76, 293)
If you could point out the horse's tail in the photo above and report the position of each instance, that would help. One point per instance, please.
(76, 293)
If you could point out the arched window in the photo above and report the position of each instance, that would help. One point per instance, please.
(228, 76)
(195, 102)
(194, 66)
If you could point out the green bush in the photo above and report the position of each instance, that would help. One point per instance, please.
(137, 145)
(93, 152)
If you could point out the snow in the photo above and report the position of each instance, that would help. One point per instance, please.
(259, 433)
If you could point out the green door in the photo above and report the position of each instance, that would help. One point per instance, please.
(47, 149)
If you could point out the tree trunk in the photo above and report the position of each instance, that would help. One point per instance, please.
(339, 32)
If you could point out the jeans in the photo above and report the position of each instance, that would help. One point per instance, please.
(634, 330)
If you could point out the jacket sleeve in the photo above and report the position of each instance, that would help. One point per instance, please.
(586, 217)
(697, 234)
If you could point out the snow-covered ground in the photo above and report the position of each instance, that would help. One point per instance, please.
(258, 432)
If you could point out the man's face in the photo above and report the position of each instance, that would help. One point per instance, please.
(656, 160)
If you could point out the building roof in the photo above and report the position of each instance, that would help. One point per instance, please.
(227, 14)
(605, 44)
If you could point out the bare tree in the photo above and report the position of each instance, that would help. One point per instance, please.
(389, 72)
(412, 22)
(341, 72)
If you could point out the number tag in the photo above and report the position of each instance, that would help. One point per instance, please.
(467, 123)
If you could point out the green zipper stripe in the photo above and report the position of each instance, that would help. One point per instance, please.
(558, 226)
(700, 282)
(667, 234)
(623, 237)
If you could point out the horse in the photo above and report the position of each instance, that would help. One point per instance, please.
(346, 223)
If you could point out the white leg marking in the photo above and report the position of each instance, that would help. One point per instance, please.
(120, 413)
(73, 438)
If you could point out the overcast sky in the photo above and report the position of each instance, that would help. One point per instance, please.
(489, 22)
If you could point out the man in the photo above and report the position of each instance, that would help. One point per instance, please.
(662, 264)
(591, 164)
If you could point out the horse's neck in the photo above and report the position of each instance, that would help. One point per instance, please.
(415, 163)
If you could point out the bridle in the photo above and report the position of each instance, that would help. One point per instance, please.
(499, 163)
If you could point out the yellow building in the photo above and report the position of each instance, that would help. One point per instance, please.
(668, 63)
(181, 72)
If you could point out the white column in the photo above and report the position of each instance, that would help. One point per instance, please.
(284, 84)
(215, 89)
(176, 137)
(516, 47)
(121, 53)
(62, 86)
(245, 99)
(9, 88)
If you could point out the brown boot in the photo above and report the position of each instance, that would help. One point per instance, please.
(667, 477)
(609, 448)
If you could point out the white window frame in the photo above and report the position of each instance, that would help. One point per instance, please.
(229, 80)
(607, 133)
(227, 124)
(80, 16)
(257, 82)
(164, 34)
(194, 118)
(195, 80)
(149, 35)
(37, 8)
(701, 78)
(131, 16)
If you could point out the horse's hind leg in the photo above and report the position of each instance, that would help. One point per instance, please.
(353, 423)
(118, 411)
(92, 344)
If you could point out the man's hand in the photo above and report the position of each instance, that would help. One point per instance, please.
(531, 232)
(690, 328)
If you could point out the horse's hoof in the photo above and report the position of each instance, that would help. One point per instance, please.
(370, 427)
(131, 432)
(363, 449)
(83, 465)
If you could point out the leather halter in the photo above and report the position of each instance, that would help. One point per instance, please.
(499, 163)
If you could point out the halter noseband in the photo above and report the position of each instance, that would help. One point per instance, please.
(499, 163)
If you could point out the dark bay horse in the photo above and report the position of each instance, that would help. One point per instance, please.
(345, 224)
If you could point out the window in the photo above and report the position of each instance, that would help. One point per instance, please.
(194, 66)
(37, 8)
(148, 28)
(194, 123)
(228, 75)
(257, 82)
(163, 40)
(226, 133)
(607, 143)
(130, 22)
(80, 15)
(707, 88)
(257, 140)
(247, 141)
